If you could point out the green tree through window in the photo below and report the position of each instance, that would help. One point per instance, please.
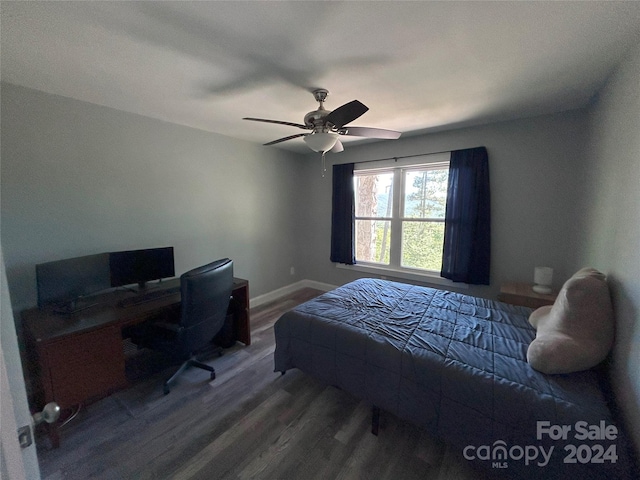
(423, 220)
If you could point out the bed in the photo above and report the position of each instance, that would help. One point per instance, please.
(455, 365)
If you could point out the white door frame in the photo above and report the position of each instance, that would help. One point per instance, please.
(16, 463)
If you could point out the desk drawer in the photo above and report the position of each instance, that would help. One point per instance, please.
(84, 366)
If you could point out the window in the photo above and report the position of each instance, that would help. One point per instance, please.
(399, 216)
(374, 204)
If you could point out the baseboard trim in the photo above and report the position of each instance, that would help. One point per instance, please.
(287, 289)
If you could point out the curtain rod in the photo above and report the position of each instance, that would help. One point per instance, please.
(404, 156)
(411, 156)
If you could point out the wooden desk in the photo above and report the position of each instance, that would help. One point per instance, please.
(523, 294)
(80, 356)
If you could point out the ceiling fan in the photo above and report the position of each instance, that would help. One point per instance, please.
(326, 126)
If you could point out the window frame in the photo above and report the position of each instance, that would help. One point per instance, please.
(399, 167)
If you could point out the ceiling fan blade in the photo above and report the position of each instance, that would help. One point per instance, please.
(346, 113)
(337, 148)
(299, 125)
(287, 138)
(370, 132)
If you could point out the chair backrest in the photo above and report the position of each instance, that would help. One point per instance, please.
(205, 292)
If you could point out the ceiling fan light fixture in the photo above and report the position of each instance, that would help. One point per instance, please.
(326, 126)
(321, 141)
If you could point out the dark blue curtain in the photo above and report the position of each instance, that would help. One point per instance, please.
(467, 228)
(342, 215)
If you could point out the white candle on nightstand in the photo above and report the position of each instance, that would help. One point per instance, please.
(543, 278)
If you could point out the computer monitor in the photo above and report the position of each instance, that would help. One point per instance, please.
(65, 281)
(141, 266)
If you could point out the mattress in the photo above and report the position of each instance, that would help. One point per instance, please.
(455, 365)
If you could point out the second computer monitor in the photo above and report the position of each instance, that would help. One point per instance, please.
(141, 266)
(67, 280)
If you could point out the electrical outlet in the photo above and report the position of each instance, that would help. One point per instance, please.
(292, 271)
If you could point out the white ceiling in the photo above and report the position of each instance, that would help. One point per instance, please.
(418, 66)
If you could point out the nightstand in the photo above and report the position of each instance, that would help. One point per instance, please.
(522, 294)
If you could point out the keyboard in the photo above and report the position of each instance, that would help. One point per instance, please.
(148, 297)
(70, 309)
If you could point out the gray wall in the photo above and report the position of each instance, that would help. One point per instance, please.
(536, 166)
(611, 240)
(79, 179)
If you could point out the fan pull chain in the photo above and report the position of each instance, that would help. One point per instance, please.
(324, 165)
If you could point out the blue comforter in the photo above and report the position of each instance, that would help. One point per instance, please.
(455, 365)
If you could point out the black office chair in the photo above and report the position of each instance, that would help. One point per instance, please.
(206, 292)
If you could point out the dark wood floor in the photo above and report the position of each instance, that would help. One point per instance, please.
(248, 423)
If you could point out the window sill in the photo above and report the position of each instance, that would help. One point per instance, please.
(384, 272)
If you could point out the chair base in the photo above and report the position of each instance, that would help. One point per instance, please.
(191, 362)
